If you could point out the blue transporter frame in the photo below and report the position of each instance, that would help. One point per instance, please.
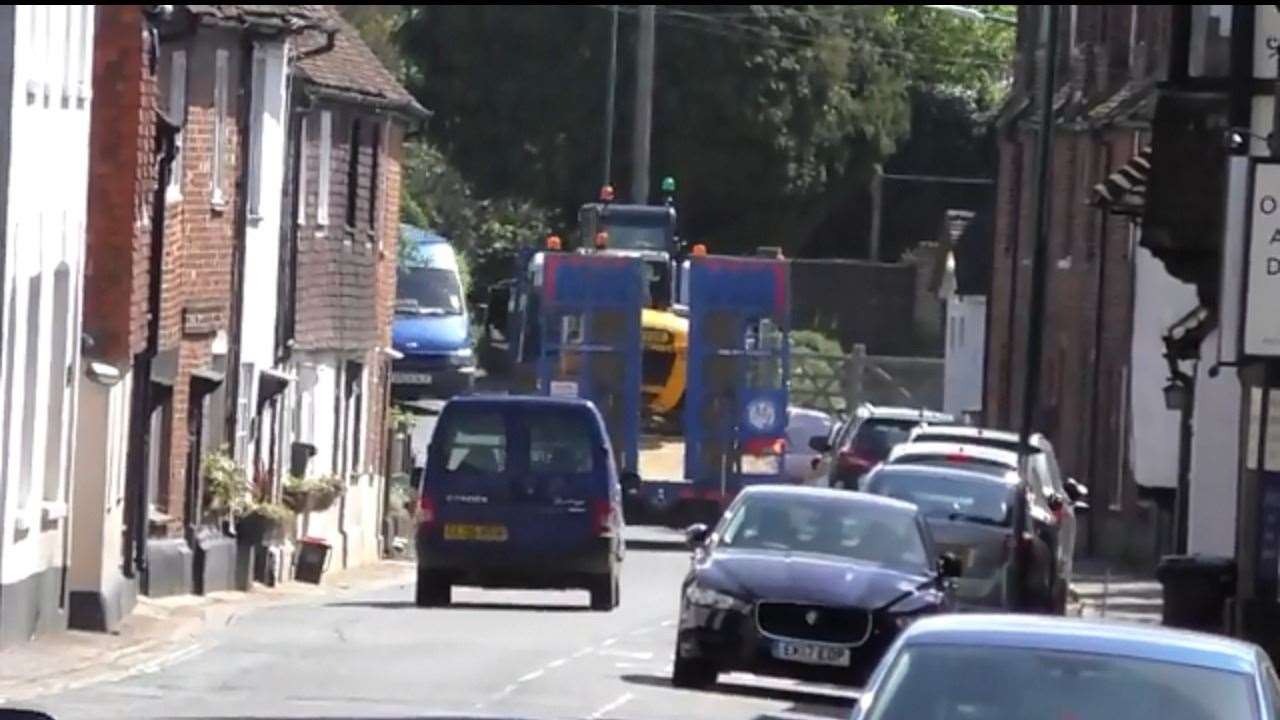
(590, 347)
(738, 378)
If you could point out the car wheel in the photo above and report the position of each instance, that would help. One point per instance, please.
(433, 589)
(693, 673)
(605, 591)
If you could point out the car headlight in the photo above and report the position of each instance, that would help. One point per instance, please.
(462, 357)
(706, 597)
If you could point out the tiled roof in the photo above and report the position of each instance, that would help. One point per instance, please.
(351, 71)
(289, 17)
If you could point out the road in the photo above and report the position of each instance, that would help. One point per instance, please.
(373, 654)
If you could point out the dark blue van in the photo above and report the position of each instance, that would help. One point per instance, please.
(520, 492)
(431, 330)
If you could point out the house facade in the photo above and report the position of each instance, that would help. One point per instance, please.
(46, 86)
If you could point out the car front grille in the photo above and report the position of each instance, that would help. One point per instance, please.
(818, 623)
(655, 366)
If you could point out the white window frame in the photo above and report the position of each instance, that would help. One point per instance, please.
(244, 416)
(257, 104)
(84, 83)
(325, 169)
(221, 63)
(177, 109)
(303, 147)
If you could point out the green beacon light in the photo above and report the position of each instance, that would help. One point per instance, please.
(668, 185)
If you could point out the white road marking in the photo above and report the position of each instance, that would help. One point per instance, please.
(627, 665)
(583, 652)
(531, 676)
(630, 655)
(622, 700)
(556, 663)
(608, 642)
(668, 623)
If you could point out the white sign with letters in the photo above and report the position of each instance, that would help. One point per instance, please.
(1266, 41)
(564, 388)
(1262, 298)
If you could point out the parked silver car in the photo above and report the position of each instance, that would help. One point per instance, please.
(981, 516)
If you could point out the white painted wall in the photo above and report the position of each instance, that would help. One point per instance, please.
(966, 341)
(101, 454)
(262, 235)
(1215, 454)
(44, 232)
(1159, 300)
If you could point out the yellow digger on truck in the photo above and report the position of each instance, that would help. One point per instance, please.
(649, 232)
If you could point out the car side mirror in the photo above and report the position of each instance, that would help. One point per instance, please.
(949, 566)
(819, 443)
(695, 536)
(630, 481)
(1081, 507)
(1075, 489)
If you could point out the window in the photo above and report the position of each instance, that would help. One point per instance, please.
(476, 442)
(70, 54)
(303, 145)
(84, 81)
(244, 413)
(56, 402)
(560, 443)
(30, 390)
(353, 174)
(220, 62)
(178, 114)
(322, 185)
(373, 178)
(256, 118)
(158, 451)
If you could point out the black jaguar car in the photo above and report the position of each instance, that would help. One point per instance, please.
(808, 583)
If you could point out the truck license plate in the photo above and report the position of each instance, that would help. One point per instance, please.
(812, 653)
(481, 533)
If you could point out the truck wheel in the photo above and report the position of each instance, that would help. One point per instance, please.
(692, 673)
(433, 589)
(605, 591)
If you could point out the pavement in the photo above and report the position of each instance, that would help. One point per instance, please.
(1105, 591)
(368, 652)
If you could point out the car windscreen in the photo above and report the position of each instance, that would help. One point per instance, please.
(428, 291)
(561, 442)
(956, 681)
(854, 530)
(475, 441)
(628, 236)
(948, 496)
(997, 443)
(967, 462)
(874, 439)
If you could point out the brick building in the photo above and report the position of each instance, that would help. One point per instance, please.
(209, 75)
(350, 116)
(1091, 392)
(127, 146)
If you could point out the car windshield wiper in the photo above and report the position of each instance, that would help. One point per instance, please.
(976, 519)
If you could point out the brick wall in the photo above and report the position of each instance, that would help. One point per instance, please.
(389, 236)
(121, 183)
(200, 238)
(1083, 395)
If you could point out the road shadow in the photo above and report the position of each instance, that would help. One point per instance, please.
(804, 701)
(410, 605)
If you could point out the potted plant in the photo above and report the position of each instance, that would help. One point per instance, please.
(226, 487)
(303, 494)
(263, 521)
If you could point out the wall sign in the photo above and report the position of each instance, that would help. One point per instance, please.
(1262, 293)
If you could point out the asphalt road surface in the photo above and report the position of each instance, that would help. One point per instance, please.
(373, 654)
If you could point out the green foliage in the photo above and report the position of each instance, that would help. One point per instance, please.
(227, 488)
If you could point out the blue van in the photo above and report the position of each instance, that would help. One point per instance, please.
(520, 492)
(431, 328)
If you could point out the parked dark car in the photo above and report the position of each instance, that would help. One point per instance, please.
(973, 514)
(520, 492)
(866, 439)
(809, 583)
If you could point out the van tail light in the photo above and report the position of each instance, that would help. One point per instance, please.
(601, 513)
(427, 510)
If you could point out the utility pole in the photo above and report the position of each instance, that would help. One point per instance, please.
(611, 92)
(1040, 249)
(644, 106)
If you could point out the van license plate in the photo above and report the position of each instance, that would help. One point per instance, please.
(812, 653)
(481, 533)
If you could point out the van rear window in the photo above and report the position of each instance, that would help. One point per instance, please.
(560, 442)
(476, 442)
